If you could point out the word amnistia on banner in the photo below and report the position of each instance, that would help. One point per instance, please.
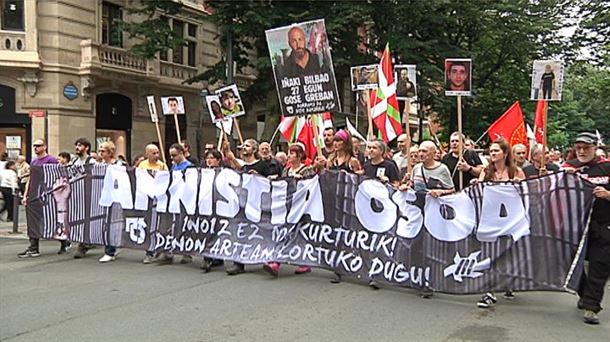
(206, 192)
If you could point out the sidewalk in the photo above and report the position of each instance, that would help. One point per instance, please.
(6, 228)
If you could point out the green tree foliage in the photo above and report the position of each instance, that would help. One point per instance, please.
(593, 30)
(584, 107)
(502, 37)
(153, 28)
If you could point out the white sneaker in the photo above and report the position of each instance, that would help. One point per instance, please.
(107, 258)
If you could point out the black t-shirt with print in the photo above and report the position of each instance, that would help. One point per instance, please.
(259, 166)
(386, 168)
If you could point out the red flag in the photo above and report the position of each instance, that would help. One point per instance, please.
(299, 128)
(307, 137)
(510, 126)
(539, 123)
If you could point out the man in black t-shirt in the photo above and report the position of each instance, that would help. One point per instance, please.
(597, 171)
(379, 168)
(533, 169)
(470, 167)
(249, 153)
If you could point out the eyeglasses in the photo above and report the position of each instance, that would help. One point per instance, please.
(37, 145)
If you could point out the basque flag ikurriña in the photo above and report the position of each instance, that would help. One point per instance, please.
(383, 102)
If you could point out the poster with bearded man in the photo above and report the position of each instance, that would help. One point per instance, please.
(303, 68)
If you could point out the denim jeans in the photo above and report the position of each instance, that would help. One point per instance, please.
(110, 250)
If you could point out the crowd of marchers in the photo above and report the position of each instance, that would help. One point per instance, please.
(423, 167)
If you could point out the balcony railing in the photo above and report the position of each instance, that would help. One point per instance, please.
(113, 59)
(177, 71)
(12, 41)
(96, 59)
(116, 57)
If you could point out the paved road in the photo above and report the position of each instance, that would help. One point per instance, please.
(58, 298)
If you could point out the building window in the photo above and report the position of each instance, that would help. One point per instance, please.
(178, 54)
(112, 15)
(12, 15)
(188, 32)
(191, 45)
(192, 31)
(192, 51)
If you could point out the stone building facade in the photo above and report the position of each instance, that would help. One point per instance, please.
(66, 72)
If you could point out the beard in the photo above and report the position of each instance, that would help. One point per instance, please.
(300, 53)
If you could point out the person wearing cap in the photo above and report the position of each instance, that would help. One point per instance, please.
(597, 171)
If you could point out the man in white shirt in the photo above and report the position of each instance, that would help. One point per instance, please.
(8, 186)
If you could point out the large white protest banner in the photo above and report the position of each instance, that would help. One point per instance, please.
(524, 236)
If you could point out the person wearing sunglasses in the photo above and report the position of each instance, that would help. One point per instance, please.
(42, 158)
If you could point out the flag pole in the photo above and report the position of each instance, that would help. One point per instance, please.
(406, 114)
(357, 105)
(408, 132)
(369, 134)
(316, 131)
(482, 135)
(220, 139)
(544, 136)
(274, 134)
(160, 141)
(461, 144)
(236, 123)
(177, 127)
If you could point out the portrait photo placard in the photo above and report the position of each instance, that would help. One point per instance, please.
(365, 77)
(547, 80)
(152, 108)
(231, 104)
(406, 81)
(303, 68)
(214, 108)
(458, 77)
(172, 105)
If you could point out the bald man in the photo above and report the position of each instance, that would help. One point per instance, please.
(301, 60)
(152, 161)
